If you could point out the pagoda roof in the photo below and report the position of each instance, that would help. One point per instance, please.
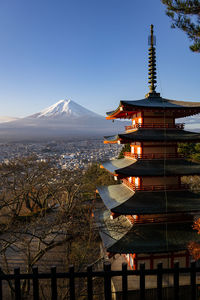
(152, 167)
(154, 135)
(115, 164)
(154, 101)
(121, 200)
(120, 236)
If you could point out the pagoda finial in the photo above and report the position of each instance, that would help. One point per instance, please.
(152, 62)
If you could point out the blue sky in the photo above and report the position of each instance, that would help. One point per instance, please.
(94, 52)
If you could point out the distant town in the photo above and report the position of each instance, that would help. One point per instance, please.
(66, 155)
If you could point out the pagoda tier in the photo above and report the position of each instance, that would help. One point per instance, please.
(121, 200)
(120, 236)
(125, 167)
(154, 135)
(154, 103)
(150, 211)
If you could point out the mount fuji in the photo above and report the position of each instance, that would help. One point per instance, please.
(65, 119)
(65, 109)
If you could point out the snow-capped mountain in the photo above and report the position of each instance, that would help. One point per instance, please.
(64, 109)
(65, 119)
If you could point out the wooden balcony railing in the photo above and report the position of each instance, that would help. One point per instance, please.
(166, 187)
(163, 219)
(156, 126)
(153, 155)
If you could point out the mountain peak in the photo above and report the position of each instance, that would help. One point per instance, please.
(65, 108)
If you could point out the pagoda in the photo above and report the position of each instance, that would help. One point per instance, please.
(147, 217)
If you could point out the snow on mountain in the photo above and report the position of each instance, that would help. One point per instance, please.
(65, 119)
(64, 108)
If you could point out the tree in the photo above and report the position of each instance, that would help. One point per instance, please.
(186, 149)
(185, 15)
(44, 218)
(194, 247)
(96, 176)
(190, 150)
(126, 148)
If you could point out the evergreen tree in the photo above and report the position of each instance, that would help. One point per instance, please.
(187, 149)
(190, 150)
(126, 148)
(185, 15)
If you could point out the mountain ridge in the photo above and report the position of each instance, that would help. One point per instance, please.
(65, 108)
(67, 119)
(64, 119)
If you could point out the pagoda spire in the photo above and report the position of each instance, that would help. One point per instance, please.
(152, 63)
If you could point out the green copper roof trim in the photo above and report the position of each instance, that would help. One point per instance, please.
(121, 200)
(152, 167)
(120, 236)
(116, 164)
(157, 102)
(153, 135)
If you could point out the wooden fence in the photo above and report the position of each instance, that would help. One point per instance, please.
(107, 274)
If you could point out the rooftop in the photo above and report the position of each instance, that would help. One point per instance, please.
(120, 236)
(151, 167)
(121, 200)
(154, 135)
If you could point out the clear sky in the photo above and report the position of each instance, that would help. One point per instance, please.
(94, 52)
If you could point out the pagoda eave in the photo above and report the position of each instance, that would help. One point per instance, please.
(120, 199)
(119, 236)
(179, 109)
(148, 215)
(154, 135)
(125, 167)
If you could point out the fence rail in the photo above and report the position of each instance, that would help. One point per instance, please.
(107, 274)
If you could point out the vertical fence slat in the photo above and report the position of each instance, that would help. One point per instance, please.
(1, 291)
(54, 294)
(17, 284)
(107, 275)
(124, 282)
(35, 284)
(71, 283)
(193, 281)
(89, 283)
(159, 281)
(107, 281)
(176, 281)
(142, 281)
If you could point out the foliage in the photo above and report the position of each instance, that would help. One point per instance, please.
(27, 186)
(95, 176)
(45, 216)
(190, 150)
(185, 15)
(193, 247)
(126, 148)
(187, 149)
